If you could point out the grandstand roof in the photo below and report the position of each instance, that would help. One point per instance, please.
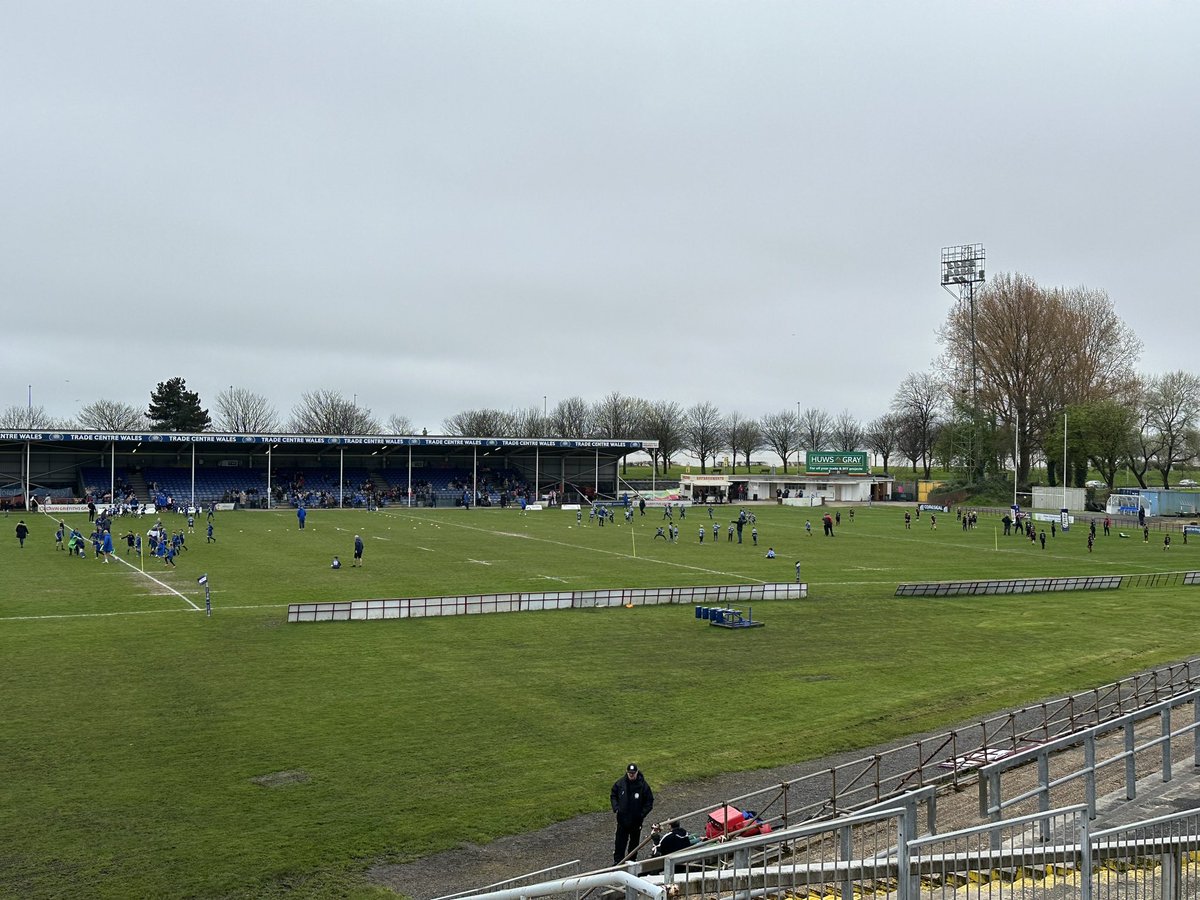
(357, 440)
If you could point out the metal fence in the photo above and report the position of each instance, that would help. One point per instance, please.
(1009, 586)
(1155, 858)
(419, 607)
(1043, 585)
(1028, 857)
(1115, 743)
(1051, 854)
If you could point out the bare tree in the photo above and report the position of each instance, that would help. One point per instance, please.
(664, 423)
(1144, 443)
(918, 402)
(111, 415)
(1038, 351)
(881, 437)
(241, 411)
(1172, 406)
(781, 433)
(912, 440)
(618, 417)
(28, 418)
(815, 426)
(480, 423)
(702, 432)
(742, 434)
(398, 424)
(847, 433)
(529, 423)
(751, 439)
(571, 418)
(328, 412)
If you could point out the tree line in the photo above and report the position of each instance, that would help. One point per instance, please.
(1009, 372)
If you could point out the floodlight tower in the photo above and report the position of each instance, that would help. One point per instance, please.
(962, 270)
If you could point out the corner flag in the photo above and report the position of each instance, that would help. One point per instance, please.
(203, 579)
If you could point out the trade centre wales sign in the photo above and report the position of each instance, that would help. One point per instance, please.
(827, 461)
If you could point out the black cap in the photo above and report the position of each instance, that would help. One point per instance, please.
(631, 768)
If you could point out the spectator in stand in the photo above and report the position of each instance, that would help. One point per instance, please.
(675, 839)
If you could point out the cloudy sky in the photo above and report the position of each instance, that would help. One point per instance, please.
(435, 206)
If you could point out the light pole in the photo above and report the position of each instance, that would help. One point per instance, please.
(962, 271)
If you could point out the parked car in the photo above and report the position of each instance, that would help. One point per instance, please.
(1095, 484)
(1187, 482)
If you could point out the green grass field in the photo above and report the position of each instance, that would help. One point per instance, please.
(134, 728)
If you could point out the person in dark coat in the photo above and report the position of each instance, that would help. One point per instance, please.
(22, 532)
(675, 839)
(632, 801)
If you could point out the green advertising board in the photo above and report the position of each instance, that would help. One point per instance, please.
(832, 461)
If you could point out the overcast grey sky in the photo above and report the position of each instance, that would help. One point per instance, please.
(438, 206)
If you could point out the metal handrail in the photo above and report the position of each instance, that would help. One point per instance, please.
(989, 775)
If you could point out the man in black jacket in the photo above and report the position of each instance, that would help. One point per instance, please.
(632, 801)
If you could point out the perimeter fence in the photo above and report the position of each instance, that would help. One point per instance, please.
(420, 607)
(997, 586)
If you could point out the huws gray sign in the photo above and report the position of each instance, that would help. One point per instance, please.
(829, 461)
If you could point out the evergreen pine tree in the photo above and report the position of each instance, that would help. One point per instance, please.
(174, 408)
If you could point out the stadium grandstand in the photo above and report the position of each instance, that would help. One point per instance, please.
(267, 470)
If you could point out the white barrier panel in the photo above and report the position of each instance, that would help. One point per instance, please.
(63, 507)
(420, 607)
(1052, 517)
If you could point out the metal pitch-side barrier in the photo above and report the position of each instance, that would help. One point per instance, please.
(530, 601)
(1044, 585)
